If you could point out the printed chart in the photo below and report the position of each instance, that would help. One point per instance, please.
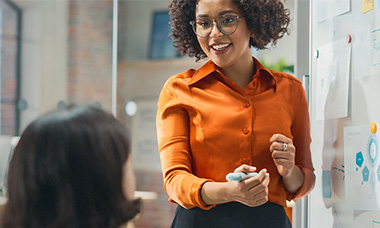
(361, 156)
(376, 47)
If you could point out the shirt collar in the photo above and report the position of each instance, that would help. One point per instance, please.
(262, 71)
(203, 71)
(210, 67)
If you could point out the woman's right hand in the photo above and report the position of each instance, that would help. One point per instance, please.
(252, 192)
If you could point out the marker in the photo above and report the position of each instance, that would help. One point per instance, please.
(240, 176)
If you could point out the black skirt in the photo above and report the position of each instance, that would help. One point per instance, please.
(231, 215)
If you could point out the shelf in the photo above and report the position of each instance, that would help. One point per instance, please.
(184, 62)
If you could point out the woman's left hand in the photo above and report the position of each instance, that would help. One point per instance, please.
(283, 154)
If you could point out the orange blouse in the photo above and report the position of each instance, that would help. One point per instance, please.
(207, 126)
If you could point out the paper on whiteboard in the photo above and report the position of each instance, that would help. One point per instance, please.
(366, 60)
(332, 80)
(327, 9)
(376, 48)
(362, 172)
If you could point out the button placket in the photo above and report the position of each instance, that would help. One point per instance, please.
(246, 105)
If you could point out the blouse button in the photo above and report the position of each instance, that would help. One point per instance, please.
(246, 105)
(246, 160)
(245, 131)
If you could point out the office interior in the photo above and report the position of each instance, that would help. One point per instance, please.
(60, 52)
(117, 54)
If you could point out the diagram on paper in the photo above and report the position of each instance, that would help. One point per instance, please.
(361, 157)
(376, 47)
(332, 83)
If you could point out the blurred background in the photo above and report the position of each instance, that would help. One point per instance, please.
(116, 54)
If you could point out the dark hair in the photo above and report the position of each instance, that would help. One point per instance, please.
(268, 21)
(66, 171)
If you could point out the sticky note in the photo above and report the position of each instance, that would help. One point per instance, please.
(367, 5)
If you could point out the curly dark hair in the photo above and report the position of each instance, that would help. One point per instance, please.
(268, 20)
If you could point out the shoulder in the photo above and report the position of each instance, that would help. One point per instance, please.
(176, 83)
(192, 76)
(289, 85)
(183, 77)
(285, 79)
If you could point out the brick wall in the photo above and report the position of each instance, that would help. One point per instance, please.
(90, 52)
(89, 80)
(90, 56)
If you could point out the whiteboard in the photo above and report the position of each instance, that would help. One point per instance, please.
(334, 202)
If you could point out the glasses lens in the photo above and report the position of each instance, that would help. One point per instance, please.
(227, 24)
(203, 27)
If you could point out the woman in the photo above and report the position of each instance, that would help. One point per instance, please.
(71, 168)
(232, 115)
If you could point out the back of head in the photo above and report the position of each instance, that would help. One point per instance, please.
(66, 171)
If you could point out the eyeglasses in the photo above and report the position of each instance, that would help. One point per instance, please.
(227, 24)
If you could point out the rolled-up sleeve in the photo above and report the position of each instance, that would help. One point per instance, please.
(302, 140)
(182, 186)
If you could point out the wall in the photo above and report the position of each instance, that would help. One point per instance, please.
(66, 54)
(43, 56)
(90, 52)
(138, 17)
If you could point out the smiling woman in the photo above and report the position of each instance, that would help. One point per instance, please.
(268, 23)
(232, 115)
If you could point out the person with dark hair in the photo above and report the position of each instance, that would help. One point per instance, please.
(71, 169)
(232, 115)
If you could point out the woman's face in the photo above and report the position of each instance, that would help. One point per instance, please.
(129, 179)
(224, 50)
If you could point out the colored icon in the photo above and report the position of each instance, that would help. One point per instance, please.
(373, 146)
(373, 128)
(359, 159)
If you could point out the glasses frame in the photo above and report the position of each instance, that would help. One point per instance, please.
(193, 25)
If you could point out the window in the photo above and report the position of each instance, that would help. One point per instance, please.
(9, 64)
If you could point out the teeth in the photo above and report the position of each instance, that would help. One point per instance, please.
(220, 46)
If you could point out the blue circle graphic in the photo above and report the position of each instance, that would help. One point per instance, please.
(373, 141)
